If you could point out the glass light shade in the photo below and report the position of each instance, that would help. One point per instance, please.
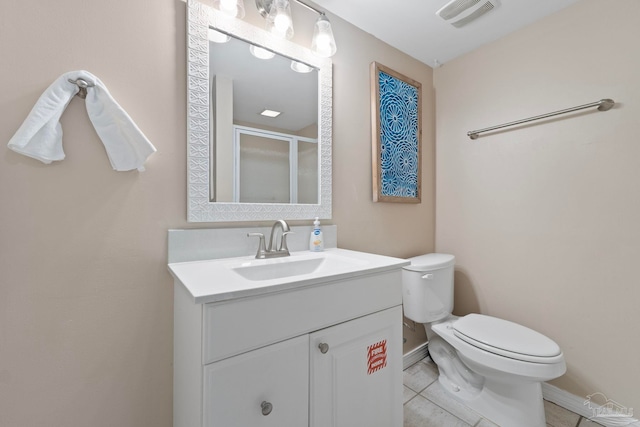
(323, 43)
(233, 8)
(261, 53)
(279, 21)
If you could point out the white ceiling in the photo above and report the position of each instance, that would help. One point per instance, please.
(412, 26)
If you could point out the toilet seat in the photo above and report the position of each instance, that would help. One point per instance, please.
(506, 339)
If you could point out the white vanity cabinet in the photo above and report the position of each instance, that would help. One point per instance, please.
(323, 355)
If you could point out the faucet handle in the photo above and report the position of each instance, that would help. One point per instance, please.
(261, 245)
(283, 242)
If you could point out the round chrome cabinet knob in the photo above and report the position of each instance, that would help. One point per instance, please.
(324, 347)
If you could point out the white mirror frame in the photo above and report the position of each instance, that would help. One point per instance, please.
(200, 208)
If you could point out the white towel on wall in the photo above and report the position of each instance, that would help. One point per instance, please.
(40, 135)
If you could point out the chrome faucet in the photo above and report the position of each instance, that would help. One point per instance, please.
(274, 250)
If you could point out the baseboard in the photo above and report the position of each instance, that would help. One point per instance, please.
(414, 356)
(576, 404)
(565, 399)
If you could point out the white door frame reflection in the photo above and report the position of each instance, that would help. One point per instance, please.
(273, 167)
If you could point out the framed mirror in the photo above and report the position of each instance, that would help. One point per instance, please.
(242, 166)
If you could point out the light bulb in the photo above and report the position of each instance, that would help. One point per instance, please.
(323, 42)
(300, 67)
(281, 22)
(279, 19)
(229, 6)
(218, 37)
(233, 8)
(261, 53)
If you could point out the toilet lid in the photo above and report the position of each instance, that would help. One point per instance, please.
(430, 262)
(505, 338)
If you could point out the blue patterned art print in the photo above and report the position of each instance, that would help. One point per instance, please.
(399, 139)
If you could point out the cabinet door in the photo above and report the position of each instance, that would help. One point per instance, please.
(267, 387)
(356, 372)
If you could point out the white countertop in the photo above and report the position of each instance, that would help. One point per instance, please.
(219, 279)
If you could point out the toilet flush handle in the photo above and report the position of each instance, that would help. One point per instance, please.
(428, 276)
(266, 407)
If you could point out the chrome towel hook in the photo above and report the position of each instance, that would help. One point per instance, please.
(83, 85)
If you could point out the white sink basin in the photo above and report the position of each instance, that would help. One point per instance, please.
(278, 269)
(229, 278)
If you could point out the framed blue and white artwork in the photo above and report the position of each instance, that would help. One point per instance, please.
(397, 132)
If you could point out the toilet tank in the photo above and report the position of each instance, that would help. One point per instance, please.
(427, 287)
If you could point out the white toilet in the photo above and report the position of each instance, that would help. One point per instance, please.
(493, 366)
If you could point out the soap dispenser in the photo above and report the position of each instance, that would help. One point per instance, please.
(316, 243)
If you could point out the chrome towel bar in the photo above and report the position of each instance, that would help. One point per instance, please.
(603, 105)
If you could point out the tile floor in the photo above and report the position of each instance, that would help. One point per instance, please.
(426, 404)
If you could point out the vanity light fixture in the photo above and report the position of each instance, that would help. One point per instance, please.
(233, 8)
(279, 21)
(270, 113)
(261, 53)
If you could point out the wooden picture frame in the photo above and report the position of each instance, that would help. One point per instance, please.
(396, 126)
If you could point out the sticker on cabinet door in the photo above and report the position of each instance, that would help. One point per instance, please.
(376, 356)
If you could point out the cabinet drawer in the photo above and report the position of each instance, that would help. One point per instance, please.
(236, 326)
(235, 388)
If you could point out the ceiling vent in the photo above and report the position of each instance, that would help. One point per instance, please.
(461, 12)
